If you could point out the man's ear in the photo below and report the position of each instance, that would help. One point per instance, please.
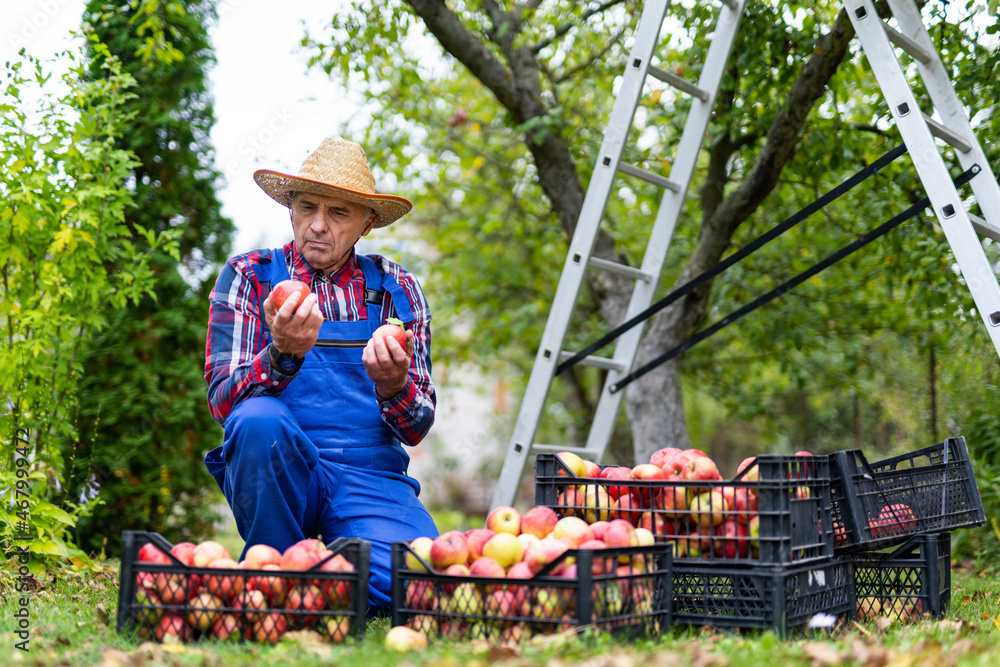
(371, 224)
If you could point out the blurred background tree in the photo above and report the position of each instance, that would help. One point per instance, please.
(143, 422)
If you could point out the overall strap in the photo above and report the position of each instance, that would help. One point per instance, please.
(374, 276)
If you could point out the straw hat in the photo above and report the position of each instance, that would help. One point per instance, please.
(338, 168)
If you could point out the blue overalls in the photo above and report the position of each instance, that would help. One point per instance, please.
(318, 460)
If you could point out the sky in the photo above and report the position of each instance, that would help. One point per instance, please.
(270, 111)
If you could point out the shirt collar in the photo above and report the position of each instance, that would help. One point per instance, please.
(304, 272)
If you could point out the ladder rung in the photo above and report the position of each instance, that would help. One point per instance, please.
(908, 45)
(677, 82)
(561, 448)
(648, 176)
(946, 135)
(596, 362)
(985, 228)
(615, 267)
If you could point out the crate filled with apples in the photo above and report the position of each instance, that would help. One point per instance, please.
(909, 582)
(930, 490)
(189, 591)
(522, 576)
(775, 510)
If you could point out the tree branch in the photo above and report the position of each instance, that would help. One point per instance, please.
(566, 27)
(592, 59)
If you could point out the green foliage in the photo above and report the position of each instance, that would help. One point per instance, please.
(875, 352)
(144, 424)
(69, 261)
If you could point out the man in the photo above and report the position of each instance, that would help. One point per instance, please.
(314, 408)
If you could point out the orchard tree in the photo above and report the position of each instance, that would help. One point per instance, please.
(492, 113)
(143, 420)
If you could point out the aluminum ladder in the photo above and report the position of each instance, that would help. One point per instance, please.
(579, 258)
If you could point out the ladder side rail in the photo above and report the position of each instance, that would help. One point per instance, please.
(667, 216)
(945, 198)
(581, 246)
(950, 108)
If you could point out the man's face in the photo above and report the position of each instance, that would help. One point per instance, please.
(326, 228)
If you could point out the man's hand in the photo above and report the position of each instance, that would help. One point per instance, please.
(388, 364)
(294, 335)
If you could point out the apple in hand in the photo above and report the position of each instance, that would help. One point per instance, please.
(393, 329)
(286, 288)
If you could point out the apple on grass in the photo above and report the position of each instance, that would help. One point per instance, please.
(504, 519)
(402, 639)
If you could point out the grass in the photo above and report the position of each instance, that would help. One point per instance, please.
(73, 623)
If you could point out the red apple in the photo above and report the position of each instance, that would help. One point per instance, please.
(547, 551)
(626, 507)
(598, 528)
(251, 602)
(268, 629)
(673, 500)
(150, 553)
(302, 555)
(526, 540)
(172, 625)
(392, 329)
(675, 465)
(259, 555)
(286, 288)
(184, 552)
(224, 586)
(402, 638)
(659, 457)
(275, 588)
(898, 518)
(208, 551)
(449, 548)
(709, 509)
(750, 465)
(539, 521)
(487, 567)
(226, 627)
(421, 596)
(616, 472)
(476, 538)
(731, 540)
(305, 598)
(620, 533)
(646, 472)
(593, 470)
(337, 588)
(504, 519)
(703, 469)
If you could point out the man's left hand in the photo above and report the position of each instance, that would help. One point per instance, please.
(388, 364)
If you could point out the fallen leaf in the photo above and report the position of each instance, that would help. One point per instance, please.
(102, 613)
(862, 629)
(883, 623)
(823, 653)
(498, 653)
(173, 646)
(113, 657)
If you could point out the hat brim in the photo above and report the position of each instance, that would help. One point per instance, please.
(278, 186)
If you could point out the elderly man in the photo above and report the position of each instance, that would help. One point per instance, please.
(314, 407)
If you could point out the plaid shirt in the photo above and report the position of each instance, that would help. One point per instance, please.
(237, 363)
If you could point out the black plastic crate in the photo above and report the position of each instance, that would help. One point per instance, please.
(155, 600)
(907, 582)
(782, 598)
(792, 519)
(621, 590)
(930, 490)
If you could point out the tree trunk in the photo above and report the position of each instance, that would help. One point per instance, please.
(654, 403)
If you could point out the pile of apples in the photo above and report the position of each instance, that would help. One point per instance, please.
(251, 599)
(699, 513)
(518, 548)
(893, 520)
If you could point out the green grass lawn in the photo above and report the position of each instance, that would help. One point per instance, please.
(73, 623)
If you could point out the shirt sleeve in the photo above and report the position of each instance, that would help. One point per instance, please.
(237, 359)
(410, 413)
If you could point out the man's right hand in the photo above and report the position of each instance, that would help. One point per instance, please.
(294, 335)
